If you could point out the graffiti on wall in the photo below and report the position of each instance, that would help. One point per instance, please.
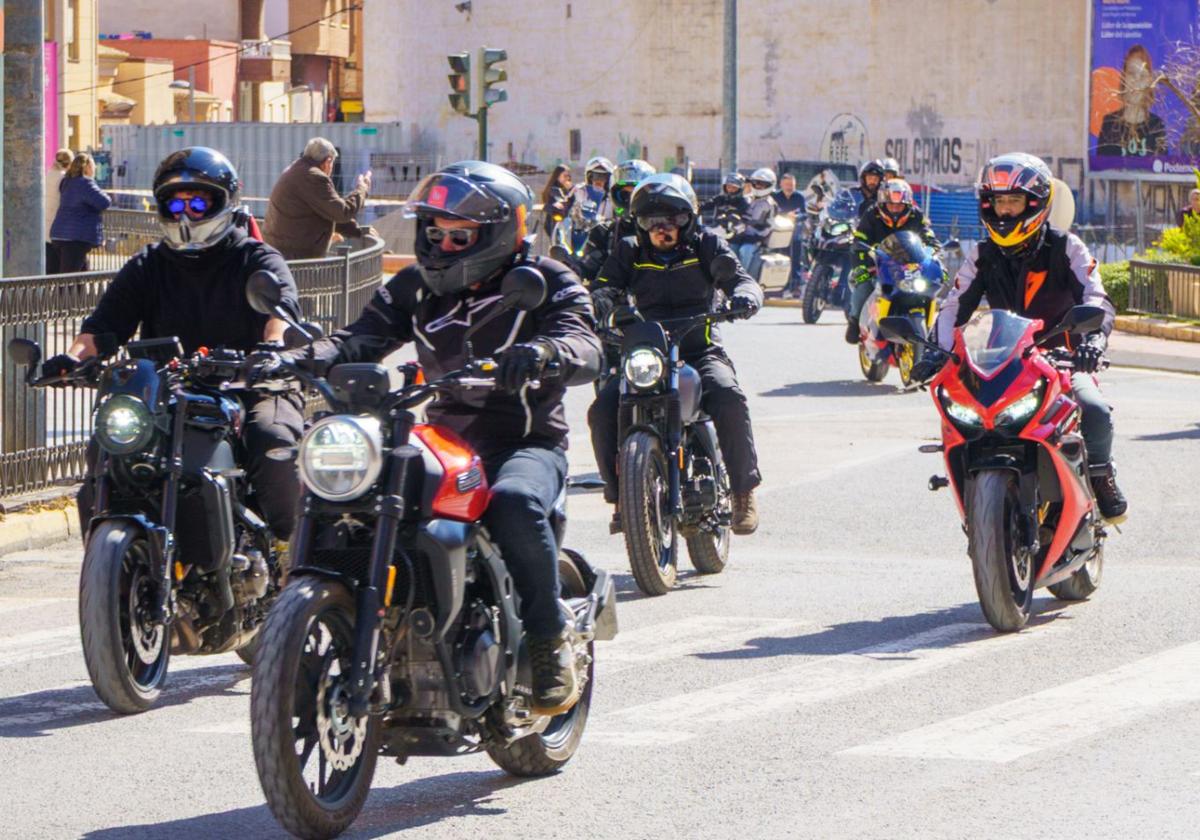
(845, 140)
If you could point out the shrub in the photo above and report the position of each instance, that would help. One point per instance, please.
(1116, 282)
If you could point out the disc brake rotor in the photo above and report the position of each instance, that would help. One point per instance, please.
(341, 735)
(147, 636)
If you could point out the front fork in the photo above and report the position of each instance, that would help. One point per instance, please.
(163, 543)
(674, 442)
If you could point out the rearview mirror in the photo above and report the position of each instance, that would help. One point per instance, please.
(301, 335)
(895, 328)
(523, 288)
(24, 351)
(1080, 319)
(264, 292)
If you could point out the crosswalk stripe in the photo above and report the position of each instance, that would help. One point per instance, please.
(688, 636)
(1056, 716)
(38, 644)
(13, 605)
(686, 716)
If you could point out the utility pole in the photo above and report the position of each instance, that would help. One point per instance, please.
(729, 90)
(192, 93)
(24, 139)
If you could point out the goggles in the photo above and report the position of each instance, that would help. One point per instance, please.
(197, 205)
(459, 237)
(676, 220)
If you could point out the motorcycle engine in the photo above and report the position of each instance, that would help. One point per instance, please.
(477, 653)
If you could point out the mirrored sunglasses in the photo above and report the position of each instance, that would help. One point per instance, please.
(461, 237)
(197, 205)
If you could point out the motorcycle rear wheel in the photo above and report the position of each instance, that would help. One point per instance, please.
(1004, 571)
(125, 651)
(814, 293)
(544, 753)
(651, 535)
(1081, 585)
(297, 708)
(709, 550)
(874, 371)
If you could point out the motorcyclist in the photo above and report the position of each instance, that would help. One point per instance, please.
(757, 220)
(590, 203)
(891, 168)
(870, 176)
(601, 237)
(192, 284)
(1027, 267)
(673, 268)
(894, 211)
(470, 231)
(731, 199)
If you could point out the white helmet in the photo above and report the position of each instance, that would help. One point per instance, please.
(762, 183)
(600, 165)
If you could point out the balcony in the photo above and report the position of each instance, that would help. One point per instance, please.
(266, 61)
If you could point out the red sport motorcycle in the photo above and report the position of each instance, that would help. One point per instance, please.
(1016, 459)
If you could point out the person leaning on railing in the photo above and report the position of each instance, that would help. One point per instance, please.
(305, 209)
(77, 227)
(192, 285)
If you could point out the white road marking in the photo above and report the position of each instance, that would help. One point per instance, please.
(39, 644)
(686, 716)
(685, 637)
(12, 605)
(1057, 716)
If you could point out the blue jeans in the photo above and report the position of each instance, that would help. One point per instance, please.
(747, 253)
(525, 485)
(1096, 422)
(859, 297)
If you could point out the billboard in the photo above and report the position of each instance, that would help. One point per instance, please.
(1143, 113)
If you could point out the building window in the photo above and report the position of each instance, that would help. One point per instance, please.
(576, 144)
(680, 157)
(71, 19)
(73, 133)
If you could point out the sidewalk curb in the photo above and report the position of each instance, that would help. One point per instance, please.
(1157, 328)
(25, 531)
(788, 304)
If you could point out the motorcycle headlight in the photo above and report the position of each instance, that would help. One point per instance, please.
(1021, 410)
(123, 425)
(913, 282)
(838, 229)
(341, 456)
(644, 367)
(964, 415)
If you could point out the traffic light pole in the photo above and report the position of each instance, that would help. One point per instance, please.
(482, 119)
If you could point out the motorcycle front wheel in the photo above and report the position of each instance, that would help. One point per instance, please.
(814, 293)
(650, 530)
(315, 760)
(125, 647)
(875, 370)
(1004, 569)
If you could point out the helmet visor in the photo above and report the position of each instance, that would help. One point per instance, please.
(443, 194)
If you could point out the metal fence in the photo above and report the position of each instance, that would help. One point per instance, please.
(1164, 289)
(44, 432)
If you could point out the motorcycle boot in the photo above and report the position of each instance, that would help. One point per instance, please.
(851, 330)
(555, 683)
(745, 513)
(1109, 497)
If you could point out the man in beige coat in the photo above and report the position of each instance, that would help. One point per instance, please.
(305, 208)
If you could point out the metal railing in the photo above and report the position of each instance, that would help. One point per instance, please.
(44, 432)
(1164, 289)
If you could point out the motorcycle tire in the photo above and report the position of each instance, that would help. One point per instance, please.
(651, 534)
(544, 753)
(1004, 573)
(127, 659)
(874, 371)
(708, 551)
(309, 629)
(814, 293)
(907, 355)
(1081, 585)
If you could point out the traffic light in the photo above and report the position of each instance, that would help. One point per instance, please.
(490, 76)
(460, 83)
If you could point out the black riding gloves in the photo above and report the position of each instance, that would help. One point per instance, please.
(745, 305)
(1089, 355)
(928, 365)
(59, 365)
(523, 363)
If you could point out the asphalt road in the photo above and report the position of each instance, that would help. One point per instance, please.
(837, 680)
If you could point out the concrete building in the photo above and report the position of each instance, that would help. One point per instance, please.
(72, 65)
(940, 85)
(211, 65)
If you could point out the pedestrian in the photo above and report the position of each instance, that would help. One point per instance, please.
(556, 199)
(78, 226)
(1193, 208)
(305, 209)
(791, 203)
(62, 161)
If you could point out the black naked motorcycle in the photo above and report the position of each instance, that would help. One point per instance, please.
(828, 282)
(399, 630)
(177, 559)
(672, 476)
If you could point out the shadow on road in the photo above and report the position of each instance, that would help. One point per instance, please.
(1179, 434)
(856, 635)
(831, 388)
(627, 588)
(42, 712)
(388, 810)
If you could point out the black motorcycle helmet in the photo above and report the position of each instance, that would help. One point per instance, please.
(629, 174)
(484, 193)
(665, 195)
(871, 167)
(196, 168)
(733, 179)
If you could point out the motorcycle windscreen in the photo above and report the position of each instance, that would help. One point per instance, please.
(990, 339)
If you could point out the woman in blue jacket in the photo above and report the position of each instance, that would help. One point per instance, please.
(77, 228)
